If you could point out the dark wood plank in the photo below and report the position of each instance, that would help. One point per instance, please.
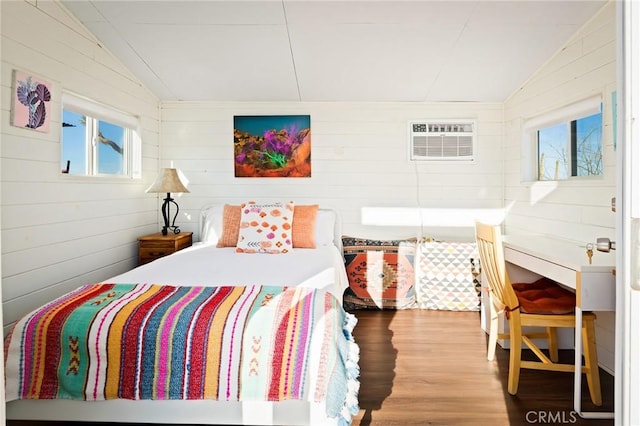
(420, 367)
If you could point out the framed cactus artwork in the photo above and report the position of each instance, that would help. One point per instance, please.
(31, 102)
(272, 145)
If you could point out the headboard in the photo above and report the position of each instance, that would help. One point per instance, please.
(328, 225)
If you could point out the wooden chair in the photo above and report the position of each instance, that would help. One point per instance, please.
(541, 304)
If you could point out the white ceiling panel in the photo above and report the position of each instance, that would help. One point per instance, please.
(330, 50)
(369, 62)
(378, 12)
(197, 63)
(190, 12)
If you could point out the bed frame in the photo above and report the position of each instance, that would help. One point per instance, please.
(171, 412)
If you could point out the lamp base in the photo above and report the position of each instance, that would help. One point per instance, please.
(165, 230)
(165, 215)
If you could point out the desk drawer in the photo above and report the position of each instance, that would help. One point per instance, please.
(595, 291)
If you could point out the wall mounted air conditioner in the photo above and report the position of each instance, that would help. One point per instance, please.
(442, 140)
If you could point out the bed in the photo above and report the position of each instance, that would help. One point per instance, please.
(212, 334)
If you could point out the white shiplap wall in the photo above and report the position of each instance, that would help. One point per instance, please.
(359, 158)
(579, 209)
(59, 232)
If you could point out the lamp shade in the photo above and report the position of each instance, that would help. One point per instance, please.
(168, 180)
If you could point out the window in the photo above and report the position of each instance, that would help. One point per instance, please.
(568, 142)
(97, 140)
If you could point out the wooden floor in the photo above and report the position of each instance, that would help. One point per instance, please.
(420, 367)
(423, 367)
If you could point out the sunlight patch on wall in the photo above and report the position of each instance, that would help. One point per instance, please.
(432, 217)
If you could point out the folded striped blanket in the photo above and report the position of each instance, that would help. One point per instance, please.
(145, 341)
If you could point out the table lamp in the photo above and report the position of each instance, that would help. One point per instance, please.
(168, 181)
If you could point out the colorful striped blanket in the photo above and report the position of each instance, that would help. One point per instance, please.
(145, 341)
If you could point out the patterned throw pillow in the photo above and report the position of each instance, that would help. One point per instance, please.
(448, 276)
(265, 228)
(380, 273)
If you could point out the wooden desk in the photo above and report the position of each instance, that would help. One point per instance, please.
(567, 263)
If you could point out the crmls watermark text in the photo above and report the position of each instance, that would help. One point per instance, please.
(551, 417)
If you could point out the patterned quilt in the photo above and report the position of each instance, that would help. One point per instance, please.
(144, 341)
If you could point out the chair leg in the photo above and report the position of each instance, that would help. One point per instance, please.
(493, 333)
(515, 353)
(591, 360)
(552, 341)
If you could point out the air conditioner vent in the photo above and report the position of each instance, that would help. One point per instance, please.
(442, 140)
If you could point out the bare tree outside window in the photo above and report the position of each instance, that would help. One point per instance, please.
(571, 149)
(552, 153)
(589, 146)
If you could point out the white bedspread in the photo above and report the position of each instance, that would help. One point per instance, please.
(207, 265)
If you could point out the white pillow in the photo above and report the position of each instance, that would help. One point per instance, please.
(325, 227)
(211, 224)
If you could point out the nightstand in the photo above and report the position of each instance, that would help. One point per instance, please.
(154, 246)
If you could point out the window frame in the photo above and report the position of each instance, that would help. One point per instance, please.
(95, 113)
(565, 115)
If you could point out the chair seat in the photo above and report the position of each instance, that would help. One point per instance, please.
(544, 297)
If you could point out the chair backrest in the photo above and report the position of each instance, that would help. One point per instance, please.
(490, 250)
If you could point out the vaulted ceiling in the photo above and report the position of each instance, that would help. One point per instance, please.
(327, 50)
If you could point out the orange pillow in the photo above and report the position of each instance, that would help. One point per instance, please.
(230, 226)
(304, 226)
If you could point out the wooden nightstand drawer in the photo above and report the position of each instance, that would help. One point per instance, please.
(155, 251)
(152, 243)
(154, 246)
